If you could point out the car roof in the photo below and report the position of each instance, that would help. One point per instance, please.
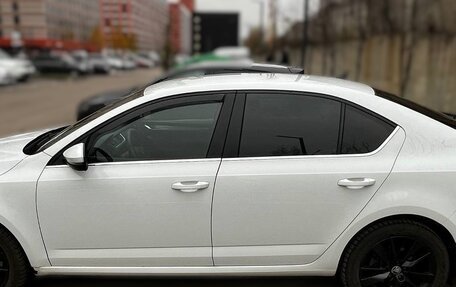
(227, 67)
(249, 81)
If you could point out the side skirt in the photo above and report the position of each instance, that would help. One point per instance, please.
(283, 270)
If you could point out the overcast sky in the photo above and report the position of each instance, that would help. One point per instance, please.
(289, 10)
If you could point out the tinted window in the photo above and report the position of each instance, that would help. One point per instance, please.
(182, 132)
(285, 124)
(363, 132)
(70, 129)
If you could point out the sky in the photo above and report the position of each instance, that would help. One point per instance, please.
(289, 11)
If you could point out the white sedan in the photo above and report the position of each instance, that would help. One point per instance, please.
(247, 174)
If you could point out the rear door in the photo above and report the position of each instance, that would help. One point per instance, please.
(297, 169)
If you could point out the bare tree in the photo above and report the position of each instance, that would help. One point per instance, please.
(408, 43)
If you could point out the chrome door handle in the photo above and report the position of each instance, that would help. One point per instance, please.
(190, 186)
(356, 183)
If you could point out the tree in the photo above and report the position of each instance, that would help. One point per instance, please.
(97, 38)
(255, 42)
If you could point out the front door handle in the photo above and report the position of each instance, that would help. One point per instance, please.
(356, 183)
(190, 186)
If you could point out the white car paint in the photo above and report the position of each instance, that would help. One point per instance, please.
(17, 69)
(57, 213)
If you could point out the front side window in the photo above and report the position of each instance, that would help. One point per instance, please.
(72, 128)
(287, 124)
(182, 132)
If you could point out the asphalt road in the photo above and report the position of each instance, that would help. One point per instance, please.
(221, 282)
(52, 102)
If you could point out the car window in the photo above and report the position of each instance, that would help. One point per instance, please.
(182, 132)
(287, 124)
(72, 128)
(363, 132)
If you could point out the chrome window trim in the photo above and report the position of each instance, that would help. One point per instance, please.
(296, 157)
(144, 162)
(335, 156)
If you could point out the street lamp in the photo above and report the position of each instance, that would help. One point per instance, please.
(305, 33)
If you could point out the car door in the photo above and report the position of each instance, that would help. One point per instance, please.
(297, 169)
(145, 199)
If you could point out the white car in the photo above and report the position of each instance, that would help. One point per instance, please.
(245, 174)
(115, 63)
(6, 77)
(19, 69)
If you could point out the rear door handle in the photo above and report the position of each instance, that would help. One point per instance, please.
(190, 186)
(356, 183)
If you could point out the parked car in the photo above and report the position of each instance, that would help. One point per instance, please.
(5, 77)
(100, 63)
(141, 61)
(233, 52)
(18, 70)
(127, 63)
(241, 174)
(83, 62)
(115, 62)
(56, 63)
(99, 101)
(96, 102)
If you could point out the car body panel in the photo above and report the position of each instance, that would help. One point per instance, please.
(11, 150)
(111, 213)
(421, 183)
(18, 206)
(275, 201)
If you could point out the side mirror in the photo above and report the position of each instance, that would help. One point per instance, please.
(75, 157)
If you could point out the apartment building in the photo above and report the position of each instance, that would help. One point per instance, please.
(48, 23)
(142, 23)
(180, 30)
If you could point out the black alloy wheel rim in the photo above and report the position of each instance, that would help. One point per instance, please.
(398, 261)
(4, 269)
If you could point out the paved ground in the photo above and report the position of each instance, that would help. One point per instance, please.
(226, 282)
(51, 102)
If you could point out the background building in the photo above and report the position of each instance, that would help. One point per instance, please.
(180, 30)
(134, 24)
(213, 30)
(48, 23)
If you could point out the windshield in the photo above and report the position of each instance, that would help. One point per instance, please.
(70, 129)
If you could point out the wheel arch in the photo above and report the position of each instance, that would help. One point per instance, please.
(441, 230)
(35, 257)
(20, 243)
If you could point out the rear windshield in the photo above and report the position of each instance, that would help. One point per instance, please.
(440, 117)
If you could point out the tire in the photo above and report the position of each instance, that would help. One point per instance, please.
(395, 253)
(13, 262)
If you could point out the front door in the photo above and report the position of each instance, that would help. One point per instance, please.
(146, 197)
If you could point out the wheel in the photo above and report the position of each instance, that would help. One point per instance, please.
(14, 267)
(395, 253)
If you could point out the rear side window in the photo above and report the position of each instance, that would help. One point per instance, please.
(363, 132)
(294, 124)
(284, 125)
